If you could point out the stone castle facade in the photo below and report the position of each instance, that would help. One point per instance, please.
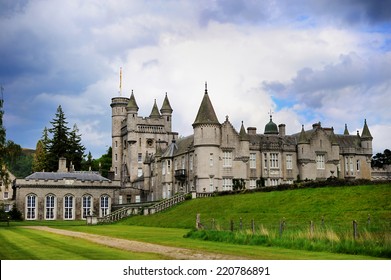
(151, 162)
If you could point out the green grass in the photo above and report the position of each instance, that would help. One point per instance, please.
(19, 243)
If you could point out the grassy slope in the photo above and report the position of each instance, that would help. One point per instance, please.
(338, 205)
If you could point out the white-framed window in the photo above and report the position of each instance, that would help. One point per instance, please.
(274, 160)
(253, 161)
(227, 159)
(289, 162)
(104, 205)
(253, 183)
(320, 162)
(227, 184)
(50, 202)
(351, 165)
(347, 165)
(139, 172)
(211, 159)
(86, 206)
(273, 182)
(68, 207)
(31, 207)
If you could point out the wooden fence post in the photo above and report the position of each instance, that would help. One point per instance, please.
(282, 225)
(355, 233)
(253, 226)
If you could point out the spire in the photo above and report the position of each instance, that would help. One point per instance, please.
(346, 131)
(206, 113)
(132, 104)
(365, 131)
(166, 107)
(155, 111)
(242, 134)
(302, 138)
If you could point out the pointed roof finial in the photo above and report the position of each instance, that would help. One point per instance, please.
(366, 134)
(206, 88)
(346, 131)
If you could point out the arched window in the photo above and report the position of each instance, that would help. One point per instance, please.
(104, 205)
(68, 207)
(31, 207)
(86, 206)
(50, 202)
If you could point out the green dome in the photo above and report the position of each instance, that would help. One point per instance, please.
(271, 127)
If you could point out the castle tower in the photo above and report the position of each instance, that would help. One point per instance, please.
(303, 154)
(366, 139)
(118, 115)
(166, 112)
(207, 137)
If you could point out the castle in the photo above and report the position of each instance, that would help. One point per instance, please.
(151, 162)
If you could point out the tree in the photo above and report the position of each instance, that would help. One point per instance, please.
(58, 146)
(39, 160)
(381, 159)
(3, 173)
(76, 149)
(12, 152)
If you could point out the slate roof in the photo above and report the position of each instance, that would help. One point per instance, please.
(80, 176)
(166, 107)
(132, 104)
(155, 111)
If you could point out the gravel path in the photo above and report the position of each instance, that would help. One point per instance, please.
(137, 246)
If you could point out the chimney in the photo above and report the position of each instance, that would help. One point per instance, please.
(281, 130)
(62, 165)
(252, 131)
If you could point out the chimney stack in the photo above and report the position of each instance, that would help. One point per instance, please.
(252, 131)
(62, 165)
(281, 130)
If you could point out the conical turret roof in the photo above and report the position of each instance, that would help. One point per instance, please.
(132, 104)
(206, 113)
(346, 131)
(365, 131)
(166, 107)
(243, 134)
(302, 137)
(155, 111)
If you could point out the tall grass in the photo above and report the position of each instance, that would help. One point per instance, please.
(321, 239)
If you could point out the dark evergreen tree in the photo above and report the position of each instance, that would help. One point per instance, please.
(3, 174)
(381, 159)
(58, 146)
(76, 149)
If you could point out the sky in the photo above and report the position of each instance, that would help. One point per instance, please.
(304, 61)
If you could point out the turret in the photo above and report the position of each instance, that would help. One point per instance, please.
(366, 138)
(132, 115)
(118, 115)
(155, 114)
(271, 127)
(166, 112)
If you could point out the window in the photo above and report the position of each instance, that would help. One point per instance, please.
(211, 159)
(273, 182)
(104, 205)
(347, 165)
(227, 159)
(87, 206)
(227, 184)
(183, 162)
(49, 207)
(253, 163)
(31, 207)
(68, 207)
(164, 167)
(265, 160)
(288, 161)
(320, 161)
(191, 163)
(6, 195)
(175, 164)
(140, 158)
(139, 172)
(358, 165)
(274, 160)
(351, 165)
(116, 157)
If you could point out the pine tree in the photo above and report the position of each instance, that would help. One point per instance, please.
(58, 146)
(76, 149)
